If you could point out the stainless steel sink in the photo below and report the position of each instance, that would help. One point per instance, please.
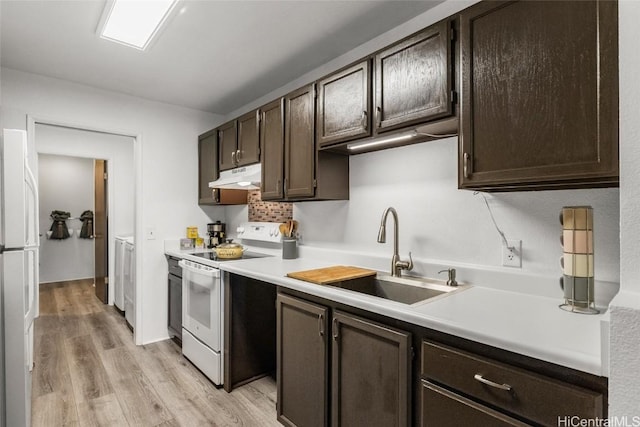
(407, 290)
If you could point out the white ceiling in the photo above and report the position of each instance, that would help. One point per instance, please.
(215, 56)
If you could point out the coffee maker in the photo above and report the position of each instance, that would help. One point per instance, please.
(216, 232)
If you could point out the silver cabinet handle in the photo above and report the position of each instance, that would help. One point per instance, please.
(335, 329)
(379, 116)
(364, 119)
(490, 383)
(465, 164)
(238, 152)
(233, 158)
(321, 324)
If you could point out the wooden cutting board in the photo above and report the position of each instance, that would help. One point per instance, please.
(327, 275)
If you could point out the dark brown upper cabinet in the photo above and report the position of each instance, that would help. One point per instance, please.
(413, 79)
(272, 143)
(310, 174)
(248, 151)
(207, 166)
(344, 104)
(227, 145)
(539, 104)
(300, 149)
(239, 141)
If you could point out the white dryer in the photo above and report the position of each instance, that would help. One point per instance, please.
(119, 271)
(129, 282)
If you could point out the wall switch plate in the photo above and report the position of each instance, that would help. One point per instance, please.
(512, 254)
(150, 233)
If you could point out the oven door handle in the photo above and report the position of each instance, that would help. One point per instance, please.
(203, 271)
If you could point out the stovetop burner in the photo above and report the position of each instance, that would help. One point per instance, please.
(214, 257)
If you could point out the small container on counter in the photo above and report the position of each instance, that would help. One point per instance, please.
(186, 244)
(199, 243)
(192, 232)
(289, 248)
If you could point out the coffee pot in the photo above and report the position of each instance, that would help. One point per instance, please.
(216, 232)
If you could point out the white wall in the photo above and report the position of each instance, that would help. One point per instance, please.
(118, 151)
(65, 184)
(445, 225)
(624, 346)
(165, 167)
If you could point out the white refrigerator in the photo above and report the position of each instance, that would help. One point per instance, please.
(19, 241)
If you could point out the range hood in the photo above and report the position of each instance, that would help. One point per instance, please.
(244, 178)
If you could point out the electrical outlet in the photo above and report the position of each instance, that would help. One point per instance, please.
(151, 233)
(512, 255)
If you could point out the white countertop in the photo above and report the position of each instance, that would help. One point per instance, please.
(521, 323)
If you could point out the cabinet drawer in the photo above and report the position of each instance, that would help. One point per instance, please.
(174, 268)
(442, 408)
(533, 396)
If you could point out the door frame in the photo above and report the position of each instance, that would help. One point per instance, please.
(32, 121)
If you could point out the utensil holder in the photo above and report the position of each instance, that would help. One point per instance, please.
(577, 261)
(289, 248)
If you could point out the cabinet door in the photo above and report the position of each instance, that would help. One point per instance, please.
(175, 306)
(303, 357)
(248, 139)
(343, 105)
(539, 93)
(300, 150)
(207, 166)
(442, 408)
(227, 145)
(272, 143)
(370, 373)
(413, 79)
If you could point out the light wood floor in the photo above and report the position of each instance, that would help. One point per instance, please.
(88, 372)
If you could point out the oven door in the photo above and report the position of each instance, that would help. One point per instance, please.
(201, 299)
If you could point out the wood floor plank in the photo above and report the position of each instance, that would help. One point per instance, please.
(72, 326)
(119, 363)
(54, 409)
(170, 423)
(154, 359)
(50, 372)
(101, 411)
(140, 402)
(48, 305)
(88, 376)
(89, 372)
(102, 331)
(260, 395)
(183, 402)
(85, 298)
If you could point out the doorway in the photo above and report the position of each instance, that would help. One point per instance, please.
(117, 155)
(73, 212)
(100, 231)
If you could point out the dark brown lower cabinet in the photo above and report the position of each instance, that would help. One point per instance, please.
(303, 356)
(335, 368)
(443, 408)
(370, 381)
(536, 398)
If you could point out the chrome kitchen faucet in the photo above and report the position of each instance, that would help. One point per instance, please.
(397, 265)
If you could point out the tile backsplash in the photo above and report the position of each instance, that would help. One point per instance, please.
(260, 211)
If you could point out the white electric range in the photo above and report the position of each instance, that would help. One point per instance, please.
(202, 299)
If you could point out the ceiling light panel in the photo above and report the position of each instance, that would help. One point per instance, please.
(135, 22)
